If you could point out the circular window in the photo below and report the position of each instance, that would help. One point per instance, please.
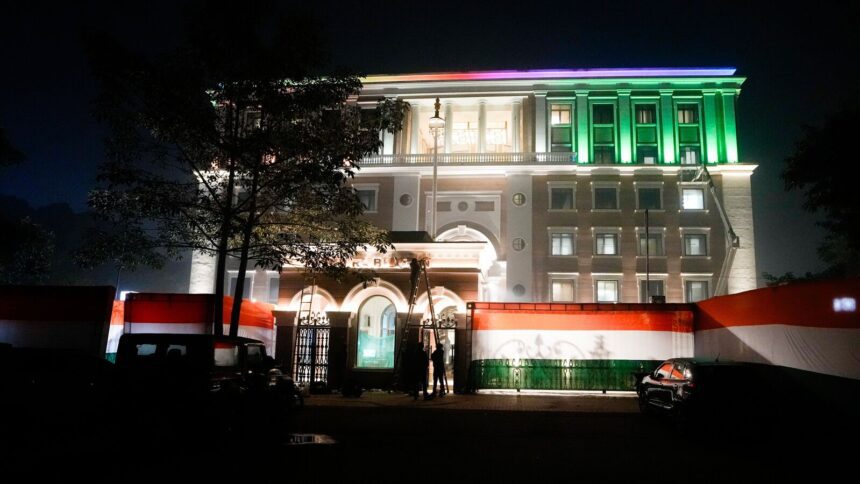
(519, 290)
(406, 199)
(519, 199)
(519, 244)
(462, 206)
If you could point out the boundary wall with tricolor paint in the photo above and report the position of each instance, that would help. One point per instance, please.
(188, 314)
(556, 346)
(57, 317)
(809, 326)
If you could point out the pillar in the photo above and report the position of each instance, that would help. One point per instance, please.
(625, 126)
(582, 126)
(667, 116)
(540, 121)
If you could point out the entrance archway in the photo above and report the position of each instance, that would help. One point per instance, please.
(376, 332)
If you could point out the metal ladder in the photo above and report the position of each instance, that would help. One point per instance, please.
(421, 268)
(733, 242)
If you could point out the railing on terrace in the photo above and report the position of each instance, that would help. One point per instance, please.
(471, 159)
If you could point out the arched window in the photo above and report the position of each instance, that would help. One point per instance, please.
(376, 330)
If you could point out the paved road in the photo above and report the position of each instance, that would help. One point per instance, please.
(524, 438)
(381, 437)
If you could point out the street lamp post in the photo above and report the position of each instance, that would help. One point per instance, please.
(437, 124)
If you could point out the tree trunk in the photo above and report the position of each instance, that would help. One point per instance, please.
(243, 260)
(223, 240)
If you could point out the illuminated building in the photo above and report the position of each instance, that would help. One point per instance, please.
(544, 178)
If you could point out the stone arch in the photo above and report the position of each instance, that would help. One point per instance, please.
(477, 232)
(441, 299)
(330, 301)
(359, 293)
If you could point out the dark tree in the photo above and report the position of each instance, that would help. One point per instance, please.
(822, 167)
(234, 146)
(26, 248)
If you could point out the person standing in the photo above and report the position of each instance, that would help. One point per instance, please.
(438, 358)
(424, 367)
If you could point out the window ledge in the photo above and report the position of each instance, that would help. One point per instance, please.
(694, 210)
(652, 210)
(606, 210)
(694, 257)
(609, 256)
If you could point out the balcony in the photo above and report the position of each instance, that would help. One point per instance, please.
(454, 159)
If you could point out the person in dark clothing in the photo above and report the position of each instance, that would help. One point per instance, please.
(411, 369)
(424, 366)
(438, 358)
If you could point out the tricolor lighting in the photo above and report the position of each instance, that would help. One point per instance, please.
(556, 74)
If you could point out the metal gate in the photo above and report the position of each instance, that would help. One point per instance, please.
(313, 336)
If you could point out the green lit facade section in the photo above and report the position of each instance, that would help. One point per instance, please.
(645, 125)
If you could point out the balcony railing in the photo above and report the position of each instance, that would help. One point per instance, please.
(471, 159)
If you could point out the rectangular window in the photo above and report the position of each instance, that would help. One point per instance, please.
(605, 198)
(650, 198)
(646, 154)
(274, 288)
(693, 199)
(688, 114)
(690, 155)
(603, 132)
(561, 127)
(696, 291)
(562, 244)
(689, 134)
(560, 114)
(485, 206)
(607, 291)
(246, 290)
(646, 114)
(656, 289)
(499, 129)
(653, 244)
(646, 134)
(603, 114)
(443, 206)
(606, 244)
(368, 199)
(695, 244)
(561, 198)
(562, 290)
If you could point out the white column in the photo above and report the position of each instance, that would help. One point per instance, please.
(737, 199)
(540, 121)
(516, 110)
(482, 126)
(415, 143)
(202, 280)
(449, 126)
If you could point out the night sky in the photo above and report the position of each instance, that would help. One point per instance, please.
(801, 65)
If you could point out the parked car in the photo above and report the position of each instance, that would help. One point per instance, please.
(193, 368)
(710, 393)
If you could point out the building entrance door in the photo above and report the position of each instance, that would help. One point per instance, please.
(312, 350)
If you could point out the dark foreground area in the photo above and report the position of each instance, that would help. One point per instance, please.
(393, 439)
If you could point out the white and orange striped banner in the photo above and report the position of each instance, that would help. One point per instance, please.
(592, 332)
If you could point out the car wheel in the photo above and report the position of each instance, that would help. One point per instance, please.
(644, 407)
